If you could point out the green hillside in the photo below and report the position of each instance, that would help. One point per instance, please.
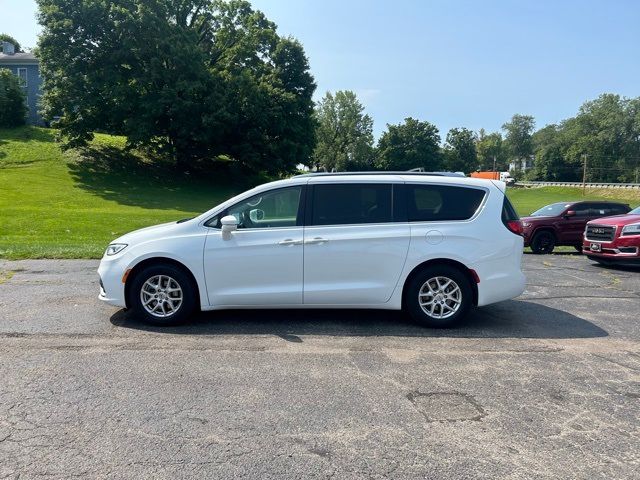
(71, 205)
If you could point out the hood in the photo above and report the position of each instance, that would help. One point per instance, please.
(147, 233)
(616, 220)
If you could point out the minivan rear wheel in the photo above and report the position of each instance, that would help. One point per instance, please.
(543, 242)
(162, 294)
(439, 296)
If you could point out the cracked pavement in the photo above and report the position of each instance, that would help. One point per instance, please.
(544, 386)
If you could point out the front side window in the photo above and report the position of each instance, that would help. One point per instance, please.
(351, 203)
(432, 203)
(276, 208)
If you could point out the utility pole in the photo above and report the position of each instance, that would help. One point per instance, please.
(637, 171)
(584, 173)
(494, 163)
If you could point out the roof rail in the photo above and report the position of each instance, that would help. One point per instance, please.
(340, 174)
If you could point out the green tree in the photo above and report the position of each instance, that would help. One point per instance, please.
(13, 107)
(344, 133)
(518, 138)
(5, 37)
(408, 145)
(550, 161)
(195, 78)
(491, 151)
(460, 151)
(607, 130)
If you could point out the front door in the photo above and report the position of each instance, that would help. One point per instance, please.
(573, 227)
(353, 251)
(261, 262)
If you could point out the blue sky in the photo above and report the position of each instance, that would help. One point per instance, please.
(454, 63)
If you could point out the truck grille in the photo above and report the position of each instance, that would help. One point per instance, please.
(600, 232)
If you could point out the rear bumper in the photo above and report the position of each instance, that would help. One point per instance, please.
(500, 287)
(501, 278)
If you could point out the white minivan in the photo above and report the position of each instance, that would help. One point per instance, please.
(433, 245)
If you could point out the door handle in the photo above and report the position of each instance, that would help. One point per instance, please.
(316, 240)
(289, 241)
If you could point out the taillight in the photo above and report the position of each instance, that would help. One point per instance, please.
(515, 226)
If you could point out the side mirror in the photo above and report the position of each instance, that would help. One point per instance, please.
(570, 213)
(229, 224)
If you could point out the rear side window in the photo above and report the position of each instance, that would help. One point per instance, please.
(351, 203)
(584, 209)
(508, 212)
(426, 203)
(619, 209)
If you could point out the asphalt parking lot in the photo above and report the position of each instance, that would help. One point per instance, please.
(544, 386)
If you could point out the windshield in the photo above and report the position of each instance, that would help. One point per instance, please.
(635, 211)
(552, 210)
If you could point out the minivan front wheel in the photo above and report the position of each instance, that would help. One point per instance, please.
(162, 295)
(438, 296)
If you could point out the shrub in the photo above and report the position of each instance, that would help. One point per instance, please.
(13, 107)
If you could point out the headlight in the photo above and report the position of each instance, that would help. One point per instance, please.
(633, 229)
(115, 248)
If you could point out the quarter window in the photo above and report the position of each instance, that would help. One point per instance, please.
(276, 208)
(351, 203)
(428, 203)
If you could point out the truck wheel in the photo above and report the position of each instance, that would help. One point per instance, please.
(543, 243)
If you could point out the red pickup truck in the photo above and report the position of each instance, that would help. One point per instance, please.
(614, 240)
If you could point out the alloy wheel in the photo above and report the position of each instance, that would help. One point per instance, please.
(440, 297)
(161, 296)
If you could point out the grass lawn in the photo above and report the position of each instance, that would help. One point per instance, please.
(528, 200)
(71, 205)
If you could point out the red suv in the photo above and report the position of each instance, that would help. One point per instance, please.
(614, 240)
(563, 223)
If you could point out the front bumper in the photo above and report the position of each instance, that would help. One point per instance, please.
(111, 272)
(621, 250)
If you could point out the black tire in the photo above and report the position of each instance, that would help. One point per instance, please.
(543, 242)
(169, 274)
(578, 248)
(415, 286)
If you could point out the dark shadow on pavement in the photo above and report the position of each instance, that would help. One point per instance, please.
(569, 253)
(511, 319)
(618, 268)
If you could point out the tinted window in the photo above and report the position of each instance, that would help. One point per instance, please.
(619, 209)
(583, 209)
(276, 208)
(508, 212)
(442, 202)
(345, 204)
(552, 210)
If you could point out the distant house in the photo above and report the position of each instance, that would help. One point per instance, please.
(27, 68)
(523, 164)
